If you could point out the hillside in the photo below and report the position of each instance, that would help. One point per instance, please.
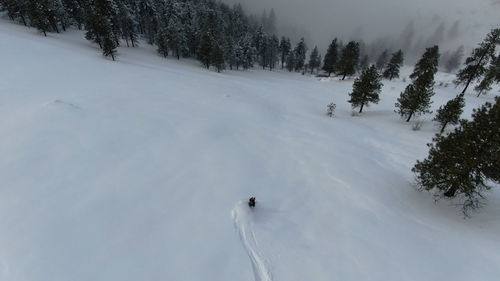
(136, 170)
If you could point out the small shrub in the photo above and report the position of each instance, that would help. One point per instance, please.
(330, 112)
(417, 125)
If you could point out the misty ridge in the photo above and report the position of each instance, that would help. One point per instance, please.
(382, 24)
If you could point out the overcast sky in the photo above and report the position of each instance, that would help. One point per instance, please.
(321, 20)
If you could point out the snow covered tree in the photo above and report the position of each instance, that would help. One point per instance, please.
(450, 112)
(454, 60)
(382, 60)
(205, 50)
(16, 9)
(475, 65)
(38, 14)
(127, 24)
(366, 88)
(162, 42)
(272, 54)
(300, 55)
(428, 63)
(177, 41)
(285, 48)
(290, 61)
(392, 68)
(346, 66)
(217, 58)
(416, 98)
(100, 23)
(466, 160)
(331, 57)
(314, 59)
(492, 75)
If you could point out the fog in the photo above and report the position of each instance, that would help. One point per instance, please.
(407, 24)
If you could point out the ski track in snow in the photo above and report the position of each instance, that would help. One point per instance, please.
(243, 224)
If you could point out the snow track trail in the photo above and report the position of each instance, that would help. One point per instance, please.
(242, 217)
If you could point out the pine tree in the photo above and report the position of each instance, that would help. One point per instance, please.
(366, 88)
(37, 12)
(475, 65)
(382, 60)
(300, 55)
(416, 98)
(346, 66)
(450, 112)
(205, 50)
(314, 59)
(272, 54)
(16, 9)
(428, 62)
(492, 75)
(162, 42)
(290, 61)
(331, 58)
(217, 58)
(285, 48)
(127, 24)
(392, 69)
(177, 41)
(466, 160)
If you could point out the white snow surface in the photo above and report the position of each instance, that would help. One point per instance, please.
(139, 169)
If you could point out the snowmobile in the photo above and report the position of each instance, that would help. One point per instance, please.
(251, 202)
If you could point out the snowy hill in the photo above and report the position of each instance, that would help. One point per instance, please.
(136, 170)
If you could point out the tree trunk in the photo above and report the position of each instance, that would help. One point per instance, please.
(112, 56)
(444, 126)
(344, 76)
(24, 20)
(475, 70)
(408, 120)
(132, 41)
(451, 192)
(361, 109)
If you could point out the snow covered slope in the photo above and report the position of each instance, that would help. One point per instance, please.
(135, 170)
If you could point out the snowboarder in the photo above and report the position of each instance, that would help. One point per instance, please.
(251, 202)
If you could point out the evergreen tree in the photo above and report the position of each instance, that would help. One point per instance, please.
(177, 41)
(314, 59)
(205, 50)
(331, 57)
(450, 112)
(475, 65)
(428, 62)
(290, 61)
(392, 69)
(217, 58)
(272, 53)
(162, 42)
(454, 60)
(416, 98)
(37, 12)
(466, 160)
(127, 24)
(285, 48)
(382, 60)
(300, 55)
(101, 22)
(346, 66)
(492, 75)
(366, 88)
(16, 9)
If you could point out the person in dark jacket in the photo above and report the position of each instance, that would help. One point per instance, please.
(251, 202)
